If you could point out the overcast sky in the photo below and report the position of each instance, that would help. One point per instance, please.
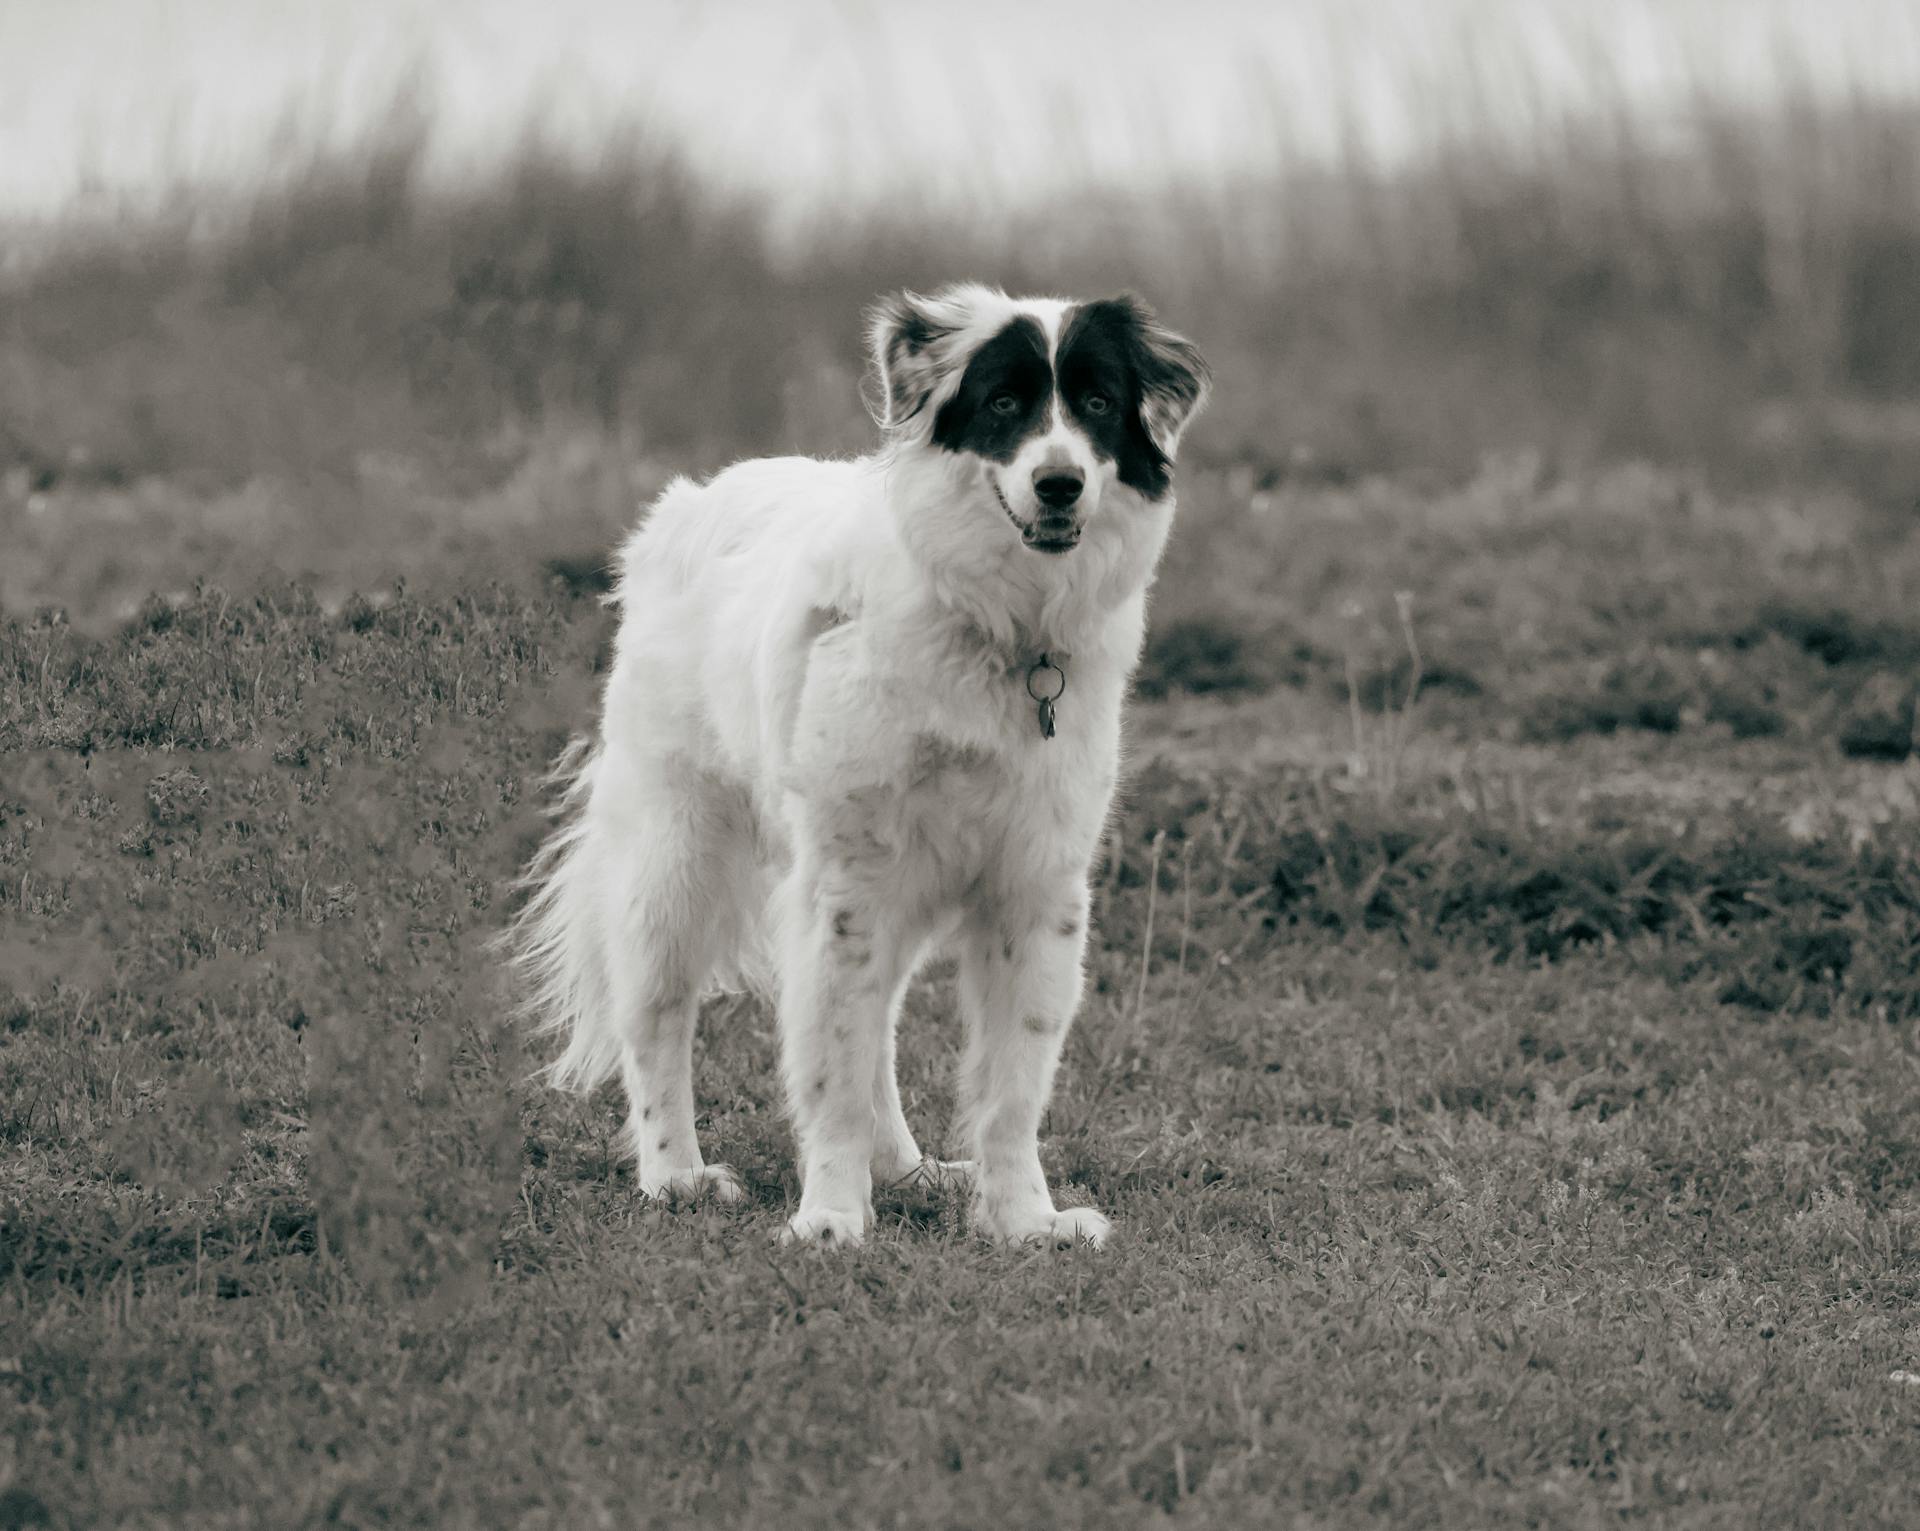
(821, 101)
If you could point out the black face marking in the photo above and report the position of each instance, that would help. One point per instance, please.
(1105, 368)
(1128, 384)
(1003, 395)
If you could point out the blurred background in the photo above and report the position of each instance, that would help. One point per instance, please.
(396, 286)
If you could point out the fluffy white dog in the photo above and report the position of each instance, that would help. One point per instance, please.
(860, 712)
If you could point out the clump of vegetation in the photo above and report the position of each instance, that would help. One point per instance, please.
(1779, 921)
(174, 797)
(1788, 667)
(1833, 634)
(1203, 655)
(1883, 721)
(1643, 692)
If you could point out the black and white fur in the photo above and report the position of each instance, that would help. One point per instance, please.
(819, 761)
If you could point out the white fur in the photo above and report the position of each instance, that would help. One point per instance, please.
(818, 764)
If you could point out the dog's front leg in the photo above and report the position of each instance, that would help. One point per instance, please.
(1020, 983)
(841, 965)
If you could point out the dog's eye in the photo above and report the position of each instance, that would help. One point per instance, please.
(1096, 403)
(1003, 404)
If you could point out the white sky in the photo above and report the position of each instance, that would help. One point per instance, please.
(827, 103)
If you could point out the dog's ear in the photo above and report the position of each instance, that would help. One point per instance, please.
(904, 333)
(1174, 380)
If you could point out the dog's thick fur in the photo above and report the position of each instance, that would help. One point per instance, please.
(821, 757)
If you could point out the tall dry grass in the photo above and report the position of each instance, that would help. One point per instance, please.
(1734, 292)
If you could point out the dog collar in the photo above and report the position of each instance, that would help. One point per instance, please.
(1046, 682)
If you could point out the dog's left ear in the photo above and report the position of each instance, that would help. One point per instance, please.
(904, 333)
(1174, 380)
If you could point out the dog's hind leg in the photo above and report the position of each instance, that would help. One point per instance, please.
(670, 865)
(657, 1069)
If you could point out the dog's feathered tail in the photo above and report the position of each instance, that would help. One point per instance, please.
(555, 944)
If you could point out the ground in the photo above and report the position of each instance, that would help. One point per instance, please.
(1500, 1060)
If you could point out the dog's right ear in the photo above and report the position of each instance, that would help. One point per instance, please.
(904, 333)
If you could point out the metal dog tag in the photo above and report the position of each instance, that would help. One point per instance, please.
(1045, 683)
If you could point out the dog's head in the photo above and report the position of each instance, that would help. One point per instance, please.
(1065, 407)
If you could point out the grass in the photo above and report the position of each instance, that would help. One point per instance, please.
(1485, 1151)
(1778, 921)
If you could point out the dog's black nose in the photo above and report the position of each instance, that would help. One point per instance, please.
(1058, 488)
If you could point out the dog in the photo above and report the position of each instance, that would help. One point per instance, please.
(860, 712)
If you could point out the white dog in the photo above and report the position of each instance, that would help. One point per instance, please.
(860, 712)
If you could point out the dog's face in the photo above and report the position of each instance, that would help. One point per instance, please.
(1067, 408)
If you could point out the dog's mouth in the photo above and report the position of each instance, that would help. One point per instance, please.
(1047, 533)
(1055, 534)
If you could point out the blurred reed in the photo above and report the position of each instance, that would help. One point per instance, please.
(1733, 290)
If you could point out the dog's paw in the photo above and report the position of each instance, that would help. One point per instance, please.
(1076, 1225)
(699, 1182)
(828, 1227)
(1063, 1228)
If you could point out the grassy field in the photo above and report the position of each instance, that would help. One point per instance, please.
(1507, 1101)
(1500, 1058)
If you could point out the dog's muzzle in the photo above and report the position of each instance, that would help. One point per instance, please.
(1052, 531)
